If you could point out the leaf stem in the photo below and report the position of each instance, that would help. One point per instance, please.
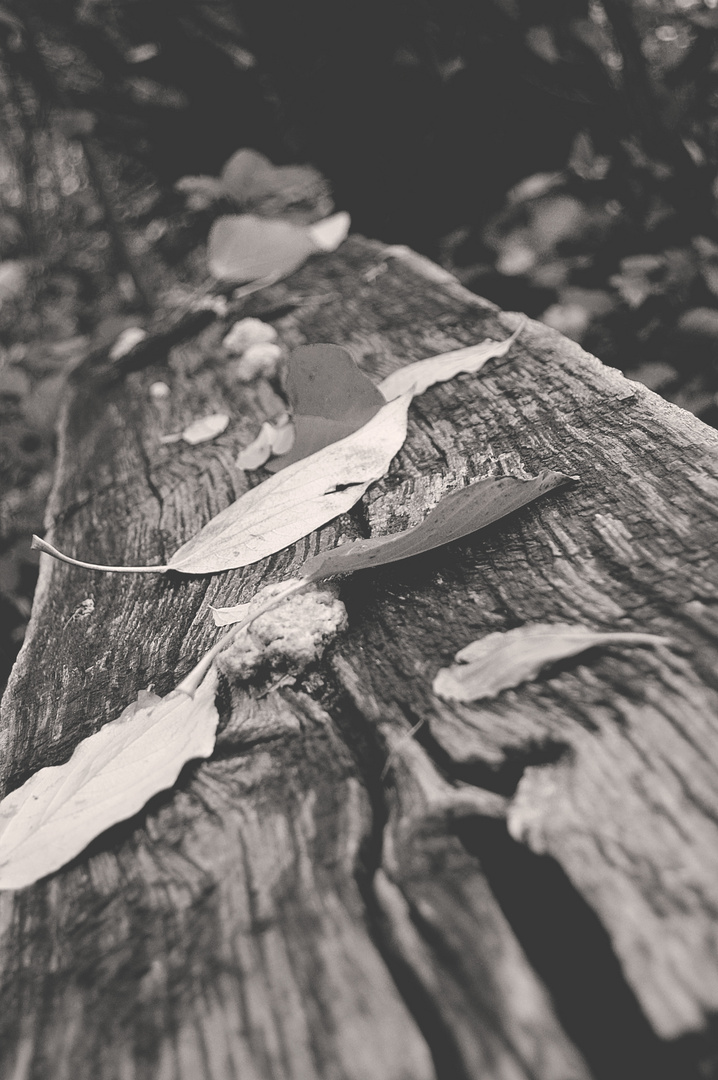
(190, 683)
(42, 545)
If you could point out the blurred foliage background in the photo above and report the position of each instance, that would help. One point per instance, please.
(559, 156)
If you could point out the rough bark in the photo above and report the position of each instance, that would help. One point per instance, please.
(364, 881)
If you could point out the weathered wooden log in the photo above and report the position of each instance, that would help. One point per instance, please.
(365, 882)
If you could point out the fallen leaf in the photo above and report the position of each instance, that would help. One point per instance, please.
(272, 516)
(329, 397)
(243, 248)
(127, 340)
(298, 500)
(209, 427)
(456, 515)
(331, 232)
(110, 777)
(419, 376)
(272, 439)
(298, 192)
(246, 248)
(501, 661)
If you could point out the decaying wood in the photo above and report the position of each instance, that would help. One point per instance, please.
(366, 882)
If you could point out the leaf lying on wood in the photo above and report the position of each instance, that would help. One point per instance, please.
(110, 777)
(329, 397)
(203, 430)
(272, 439)
(328, 234)
(298, 500)
(112, 774)
(244, 248)
(286, 507)
(250, 180)
(455, 516)
(501, 661)
(308, 493)
(419, 376)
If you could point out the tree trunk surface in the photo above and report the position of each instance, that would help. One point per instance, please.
(365, 882)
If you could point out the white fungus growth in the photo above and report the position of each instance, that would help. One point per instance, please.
(248, 332)
(259, 359)
(289, 637)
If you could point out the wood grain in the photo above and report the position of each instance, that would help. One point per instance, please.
(524, 888)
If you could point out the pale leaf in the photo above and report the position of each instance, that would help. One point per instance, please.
(245, 248)
(330, 397)
(272, 439)
(298, 192)
(208, 427)
(258, 451)
(331, 232)
(226, 616)
(298, 500)
(501, 661)
(419, 376)
(456, 515)
(110, 777)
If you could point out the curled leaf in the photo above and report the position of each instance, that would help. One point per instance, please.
(456, 515)
(110, 777)
(501, 661)
(419, 376)
(272, 439)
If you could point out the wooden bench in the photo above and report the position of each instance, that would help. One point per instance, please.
(365, 882)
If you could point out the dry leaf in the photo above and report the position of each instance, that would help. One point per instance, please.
(500, 661)
(244, 248)
(456, 515)
(205, 429)
(127, 340)
(308, 493)
(329, 396)
(298, 500)
(298, 192)
(110, 777)
(209, 427)
(420, 376)
(272, 439)
(327, 235)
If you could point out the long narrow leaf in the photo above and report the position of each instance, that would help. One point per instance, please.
(110, 776)
(456, 515)
(419, 376)
(501, 661)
